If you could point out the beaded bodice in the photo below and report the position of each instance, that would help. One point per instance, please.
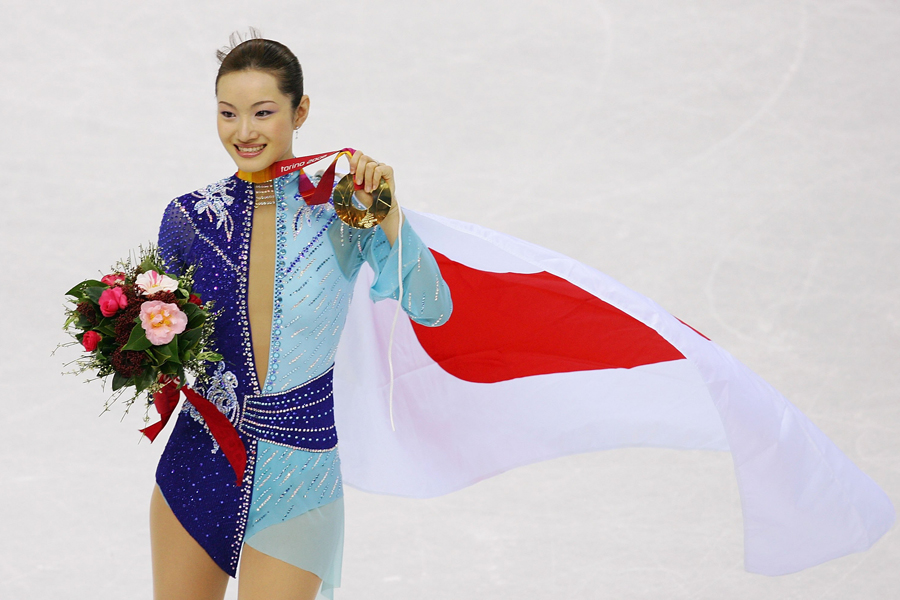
(317, 258)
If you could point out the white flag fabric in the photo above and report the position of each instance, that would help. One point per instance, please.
(543, 357)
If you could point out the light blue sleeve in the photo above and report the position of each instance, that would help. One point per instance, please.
(426, 298)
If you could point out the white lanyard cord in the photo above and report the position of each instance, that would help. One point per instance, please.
(396, 314)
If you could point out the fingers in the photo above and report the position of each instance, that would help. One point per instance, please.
(375, 172)
(386, 173)
(354, 160)
(359, 164)
(371, 167)
(368, 172)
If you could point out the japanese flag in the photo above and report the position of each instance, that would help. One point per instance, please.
(543, 357)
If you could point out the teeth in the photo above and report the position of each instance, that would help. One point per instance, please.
(250, 148)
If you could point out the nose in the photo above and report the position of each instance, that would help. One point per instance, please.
(247, 131)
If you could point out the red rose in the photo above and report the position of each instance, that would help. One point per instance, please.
(90, 340)
(112, 300)
(113, 279)
(195, 300)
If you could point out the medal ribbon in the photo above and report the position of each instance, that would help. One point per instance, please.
(311, 194)
(219, 426)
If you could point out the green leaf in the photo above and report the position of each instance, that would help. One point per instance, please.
(144, 380)
(197, 320)
(137, 340)
(92, 292)
(196, 315)
(162, 351)
(71, 319)
(106, 328)
(172, 348)
(148, 264)
(182, 293)
(188, 339)
(78, 290)
(170, 368)
(119, 381)
(210, 356)
(75, 292)
(157, 356)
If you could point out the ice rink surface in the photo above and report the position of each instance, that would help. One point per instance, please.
(738, 162)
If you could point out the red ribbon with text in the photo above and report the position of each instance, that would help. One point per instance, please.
(312, 194)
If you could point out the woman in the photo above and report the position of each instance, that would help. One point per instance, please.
(282, 271)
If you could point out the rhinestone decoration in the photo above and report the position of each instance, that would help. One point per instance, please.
(291, 482)
(302, 417)
(221, 392)
(214, 200)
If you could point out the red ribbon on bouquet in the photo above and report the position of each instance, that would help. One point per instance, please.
(220, 427)
(312, 194)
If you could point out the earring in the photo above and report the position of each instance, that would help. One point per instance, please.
(296, 132)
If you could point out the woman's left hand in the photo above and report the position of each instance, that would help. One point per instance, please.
(368, 173)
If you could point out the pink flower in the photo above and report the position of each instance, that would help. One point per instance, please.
(112, 300)
(113, 279)
(162, 321)
(90, 339)
(152, 282)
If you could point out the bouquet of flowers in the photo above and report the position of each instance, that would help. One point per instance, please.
(142, 326)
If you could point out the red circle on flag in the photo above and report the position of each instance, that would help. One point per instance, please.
(510, 325)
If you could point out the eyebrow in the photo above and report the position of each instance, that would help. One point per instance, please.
(251, 106)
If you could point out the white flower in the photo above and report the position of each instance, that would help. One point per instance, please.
(152, 282)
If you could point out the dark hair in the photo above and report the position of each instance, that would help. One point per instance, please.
(258, 54)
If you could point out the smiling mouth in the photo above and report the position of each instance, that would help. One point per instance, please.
(249, 151)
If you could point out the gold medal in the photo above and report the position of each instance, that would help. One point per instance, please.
(357, 217)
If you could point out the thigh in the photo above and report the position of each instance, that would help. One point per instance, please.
(182, 570)
(263, 577)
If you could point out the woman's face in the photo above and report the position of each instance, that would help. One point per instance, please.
(256, 122)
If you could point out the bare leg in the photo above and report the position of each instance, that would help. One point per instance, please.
(265, 578)
(182, 570)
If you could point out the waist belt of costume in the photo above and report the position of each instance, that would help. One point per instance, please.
(302, 417)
